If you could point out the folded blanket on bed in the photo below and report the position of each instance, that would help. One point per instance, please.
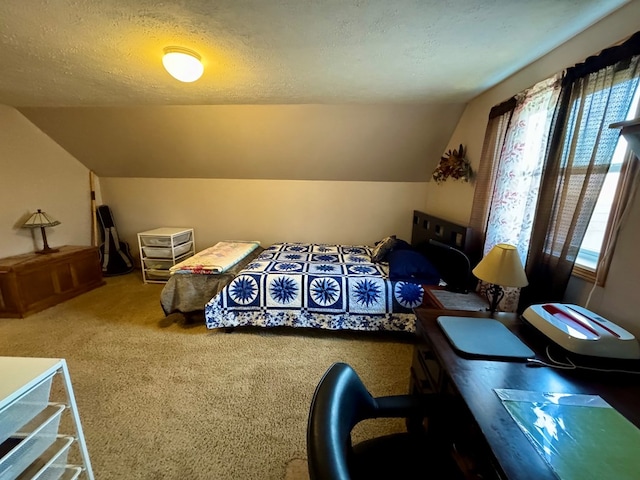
(217, 259)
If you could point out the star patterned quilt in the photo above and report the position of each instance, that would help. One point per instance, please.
(317, 286)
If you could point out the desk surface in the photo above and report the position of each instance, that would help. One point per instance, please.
(446, 300)
(476, 379)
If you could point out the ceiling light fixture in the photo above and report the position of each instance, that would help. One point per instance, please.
(182, 64)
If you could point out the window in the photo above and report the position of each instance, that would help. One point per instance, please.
(576, 163)
(600, 233)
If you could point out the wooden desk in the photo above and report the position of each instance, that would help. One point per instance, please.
(32, 282)
(437, 367)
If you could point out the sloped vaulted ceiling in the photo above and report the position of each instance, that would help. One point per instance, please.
(301, 142)
(305, 89)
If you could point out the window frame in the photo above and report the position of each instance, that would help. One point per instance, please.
(599, 275)
(620, 198)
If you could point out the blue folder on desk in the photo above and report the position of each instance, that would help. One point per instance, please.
(484, 337)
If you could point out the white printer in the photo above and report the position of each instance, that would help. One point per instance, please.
(581, 331)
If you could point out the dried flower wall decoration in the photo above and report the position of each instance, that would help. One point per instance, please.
(453, 164)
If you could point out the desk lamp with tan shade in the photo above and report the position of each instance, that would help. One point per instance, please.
(501, 267)
(41, 220)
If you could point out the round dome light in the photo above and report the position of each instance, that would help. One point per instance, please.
(182, 64)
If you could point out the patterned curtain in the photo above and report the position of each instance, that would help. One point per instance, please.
(594, 95)
(499, 121)
(518, 174)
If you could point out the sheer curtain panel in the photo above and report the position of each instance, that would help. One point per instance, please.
(594, 94)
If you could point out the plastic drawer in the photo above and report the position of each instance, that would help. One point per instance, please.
(183, 249)
(71, 473)
(165, 241)
(157, 263)
(21, 411)
(158, 274)
(164, 252)
(37, 436)
(52, 464)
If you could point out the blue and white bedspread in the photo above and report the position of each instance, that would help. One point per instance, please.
(332, 287)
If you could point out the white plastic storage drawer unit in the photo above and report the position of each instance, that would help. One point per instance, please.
(27, 445)
(31, 444)
(161, 248)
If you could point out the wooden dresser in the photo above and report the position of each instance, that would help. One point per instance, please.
(32, 282)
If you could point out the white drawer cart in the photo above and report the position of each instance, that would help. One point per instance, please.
(161, 248)
(31, 445)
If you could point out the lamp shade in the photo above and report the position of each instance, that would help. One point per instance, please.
(40, 219)
(502, 266)
(182, 64)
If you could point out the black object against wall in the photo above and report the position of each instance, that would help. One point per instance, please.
(114, 254)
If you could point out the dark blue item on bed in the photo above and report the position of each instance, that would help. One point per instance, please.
(411, 266)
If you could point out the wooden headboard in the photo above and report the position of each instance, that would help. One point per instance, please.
(448, 246)
(427, 227)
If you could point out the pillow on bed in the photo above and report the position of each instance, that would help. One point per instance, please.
(382, 248)
(411, 266)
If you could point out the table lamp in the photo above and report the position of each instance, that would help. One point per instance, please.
(41, 220)
(501, 267)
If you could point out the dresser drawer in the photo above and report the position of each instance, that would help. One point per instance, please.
(428, 368)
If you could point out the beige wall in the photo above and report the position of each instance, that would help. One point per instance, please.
(264, 210)
(37, 173)
(618, 300)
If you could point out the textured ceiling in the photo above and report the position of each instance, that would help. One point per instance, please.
(108, 52)
(350, 90)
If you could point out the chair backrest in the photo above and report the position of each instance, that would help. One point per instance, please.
(340, 401)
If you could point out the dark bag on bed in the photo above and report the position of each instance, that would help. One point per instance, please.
(114, 254)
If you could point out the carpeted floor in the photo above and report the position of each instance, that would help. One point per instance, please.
(162, 400)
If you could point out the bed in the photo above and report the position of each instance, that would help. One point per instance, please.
(340, 287)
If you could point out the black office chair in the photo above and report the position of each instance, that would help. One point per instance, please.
(341, 401)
